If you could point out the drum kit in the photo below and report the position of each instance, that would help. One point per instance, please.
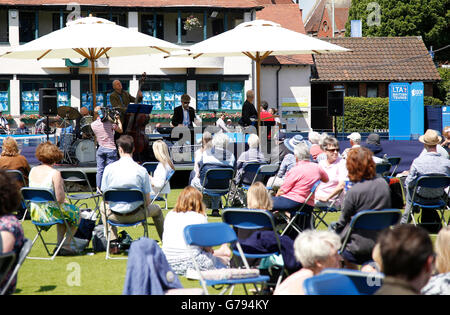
(76, 148)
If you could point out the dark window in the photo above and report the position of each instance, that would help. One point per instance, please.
(217, 26)
(4, 26)
(183, 31)
(147, 26)
(372, 90)
(118, 18)
(353, 90)
(27, 26)
(56, 21)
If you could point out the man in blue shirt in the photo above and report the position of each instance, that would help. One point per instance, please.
(126, 173)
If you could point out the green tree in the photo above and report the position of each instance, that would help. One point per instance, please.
(426, 18)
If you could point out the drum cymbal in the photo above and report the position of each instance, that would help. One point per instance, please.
(68, 112)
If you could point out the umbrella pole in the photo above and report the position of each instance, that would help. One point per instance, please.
(258, 89)
(94, 97)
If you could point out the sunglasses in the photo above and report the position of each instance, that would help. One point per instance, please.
(332, 150)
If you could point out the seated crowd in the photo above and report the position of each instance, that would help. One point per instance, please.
(348, 182)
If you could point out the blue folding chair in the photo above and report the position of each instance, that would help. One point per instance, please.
(217, 182)
(123, 196)
(6, 263)
(80, 177)
(150, 167)
(267, 171)
(254, 219)
(395, 162)
(300, 212)
(329, 284)
(214, 234)
(18, 176)
(367, 283)
(432, 181)
(320, 213)
(24, 251)
(249, 174)
(373, 220)
(158, 196)
(43, 196)
(383, 169)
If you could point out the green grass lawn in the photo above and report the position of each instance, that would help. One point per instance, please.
(90, 273)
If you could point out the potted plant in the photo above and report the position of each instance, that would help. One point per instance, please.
(191, 23)
(29, 118)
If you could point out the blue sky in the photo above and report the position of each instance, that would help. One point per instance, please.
(306, 6)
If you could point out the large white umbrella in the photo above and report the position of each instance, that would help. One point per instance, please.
(91, 38)
(257, 40)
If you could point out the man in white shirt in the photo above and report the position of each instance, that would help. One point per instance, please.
(126, 173)
(221, 123)
(4, 126)
(355, 141)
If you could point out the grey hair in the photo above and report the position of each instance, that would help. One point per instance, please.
(323, 135)
(314, 137)
(301, 151)
(329, 141)
(312, 246)
(253, 141)
(220, 140)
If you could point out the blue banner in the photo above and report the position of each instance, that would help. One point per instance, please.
(399, 111)
(417, 110)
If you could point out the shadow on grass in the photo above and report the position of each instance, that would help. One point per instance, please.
(46, 288)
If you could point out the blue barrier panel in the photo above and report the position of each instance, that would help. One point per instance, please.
(417, 110)
(399, 111)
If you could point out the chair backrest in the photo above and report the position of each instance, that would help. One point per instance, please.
(37, 195)
(268, 169)
(382, 168)
(250, 219)
(123, 195)
(218, 178)
(329, 284)
(150, 166)
(249, 172)
(75, 176)
(209, 234)
(6, 262)
(433, 181)
(312, 191)
(375, 219)
(17, 175)
(394, 160)
(366, 283)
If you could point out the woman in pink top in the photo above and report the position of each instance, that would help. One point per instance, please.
(315, 250)
(331, 193)
(298, 184)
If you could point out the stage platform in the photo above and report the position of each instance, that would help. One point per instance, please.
(93, 168)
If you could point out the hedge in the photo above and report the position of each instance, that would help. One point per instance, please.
(366, 114)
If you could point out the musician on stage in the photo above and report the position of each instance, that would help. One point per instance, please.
(104, 131)
(249, 112)
(121, 98)
(183, 115)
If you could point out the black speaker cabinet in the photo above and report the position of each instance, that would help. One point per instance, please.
(48, 102)
(335, 102)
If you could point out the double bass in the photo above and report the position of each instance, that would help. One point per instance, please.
(135, 127)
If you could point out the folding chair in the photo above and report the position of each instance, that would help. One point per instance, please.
(395, 162)
(80, 177)
(267, 171)
(299, 212)
(122, 196)
(150, 166)
(382, 169)
(432, 181)
(249, 174)
(18, 176)
(42, 196)
(24, 251)
(6, 263)
(253, 219)
(214, 234)
(158, 196)
(329, 284)
(319, 214)
(217, 182)
(367, 283)
(374, 220)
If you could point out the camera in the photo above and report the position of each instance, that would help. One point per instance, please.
(107, 113)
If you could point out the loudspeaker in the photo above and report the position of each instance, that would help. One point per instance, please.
(48, 102)
(335, 102)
